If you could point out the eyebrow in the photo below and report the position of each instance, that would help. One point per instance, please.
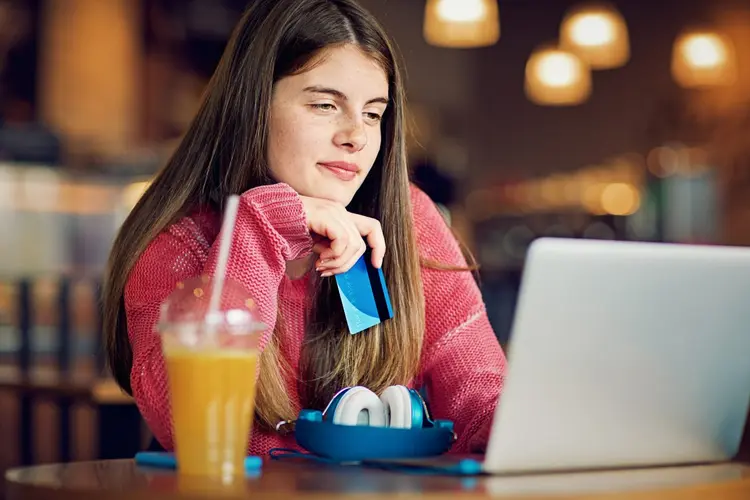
(340, 95)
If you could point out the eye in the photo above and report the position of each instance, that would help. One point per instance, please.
(324, 106)
(373, 117)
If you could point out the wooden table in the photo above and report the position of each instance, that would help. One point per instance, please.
(120, 479)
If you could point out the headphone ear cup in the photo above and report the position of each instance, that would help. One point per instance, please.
(359, 406)
(397, 405)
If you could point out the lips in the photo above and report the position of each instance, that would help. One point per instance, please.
(343, 170)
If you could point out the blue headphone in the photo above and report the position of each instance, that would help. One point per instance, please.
(358, 425)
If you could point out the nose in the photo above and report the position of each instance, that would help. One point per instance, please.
(351, 136)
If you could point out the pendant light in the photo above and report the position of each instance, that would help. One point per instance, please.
(597, 32)
(461, 23)
(557, 77)
(703, 58)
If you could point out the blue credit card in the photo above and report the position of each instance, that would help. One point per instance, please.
(364, 295)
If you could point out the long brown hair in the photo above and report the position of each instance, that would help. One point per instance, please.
(223, 152)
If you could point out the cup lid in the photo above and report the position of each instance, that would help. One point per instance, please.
(189, 305)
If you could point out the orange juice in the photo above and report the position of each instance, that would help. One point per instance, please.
(211, 487)
(213, 401)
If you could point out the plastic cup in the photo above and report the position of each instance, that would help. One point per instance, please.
(212, 362)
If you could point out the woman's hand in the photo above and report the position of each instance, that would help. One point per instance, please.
(339, 241)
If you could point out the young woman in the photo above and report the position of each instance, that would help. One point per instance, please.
(304, 118)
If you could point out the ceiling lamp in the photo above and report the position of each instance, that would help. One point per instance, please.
(557, 77)
(598, 34)
(461, 23)
(703, 59)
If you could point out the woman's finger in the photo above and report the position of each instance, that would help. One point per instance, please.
(346, 265)
(372, 231)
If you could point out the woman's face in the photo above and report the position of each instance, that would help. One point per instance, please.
(324, 132)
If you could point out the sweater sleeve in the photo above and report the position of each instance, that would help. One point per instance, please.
(463, 365)
(270, 230)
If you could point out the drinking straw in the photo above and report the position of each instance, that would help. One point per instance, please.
(227, 230)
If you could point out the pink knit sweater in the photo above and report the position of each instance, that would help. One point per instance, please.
(462, 363)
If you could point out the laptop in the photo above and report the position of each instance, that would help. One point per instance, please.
(625, 354)
(622, 355)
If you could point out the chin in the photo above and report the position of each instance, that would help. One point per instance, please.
(335, 195)
(344, 200)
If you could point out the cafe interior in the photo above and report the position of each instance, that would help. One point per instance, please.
(620, 120)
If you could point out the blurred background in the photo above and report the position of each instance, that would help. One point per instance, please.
(528, 118)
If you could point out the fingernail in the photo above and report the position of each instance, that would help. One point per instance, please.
(324, 262)
(326, 274)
